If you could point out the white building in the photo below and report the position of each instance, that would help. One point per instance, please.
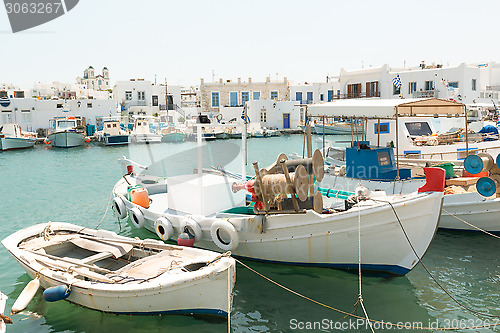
(308, 93)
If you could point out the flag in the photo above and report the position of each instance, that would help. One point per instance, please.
(397, 81)
(244, 116)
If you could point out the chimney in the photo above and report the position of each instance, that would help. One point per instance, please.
(239, 80)
(285, 80)
(202, 81)
(249, 80)
(220, 81)
(268, 79)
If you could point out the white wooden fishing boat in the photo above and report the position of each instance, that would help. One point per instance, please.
(3, 302)
(337, 128)
(11, 137)
(112, 134)
(66, 132)
(142, 132)
(103, 271)
(325, 236)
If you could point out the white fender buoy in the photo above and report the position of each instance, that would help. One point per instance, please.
(137, 218)
(230, 230)
(120, 208)
(26, 296)
(164, 228)
(193, 226)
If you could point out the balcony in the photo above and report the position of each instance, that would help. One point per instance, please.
(370, 94)
(425, 94)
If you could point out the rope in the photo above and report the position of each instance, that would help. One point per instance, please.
(107, 207)
(229, 298)
(477, 228)
(428, 272)
(348, 314)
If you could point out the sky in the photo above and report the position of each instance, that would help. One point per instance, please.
(183, 41)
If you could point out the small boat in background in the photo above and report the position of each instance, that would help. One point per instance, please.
(171, 134)
(112, 134)
(103, 271)
(3, 319)
(142, 132)
(268, 132)
(11, 137)
(66, 132)
(337, 128)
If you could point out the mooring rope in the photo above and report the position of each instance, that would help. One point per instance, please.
(428, 272)
(469, 224)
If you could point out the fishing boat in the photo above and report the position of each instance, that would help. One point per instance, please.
(11, 137)
(66, 132)
(143, 132)
(172, 135)
(294, 226)
(270, 132)
(337, 128)
(112, 134)
(407, 124)
(100, 270)
(3, 319)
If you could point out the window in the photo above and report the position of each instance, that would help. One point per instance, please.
(18, 94)
(309, 96)
(330, 95)
(453, 84)
(89, 105)
(353, 90)
(372, 89)
(263, 116)
(215, 99)
(321, 97)
(474, 84)
(429, 85)
(155, 100)
(384, 128)
(298, 96)
(233, 98)
(128, 95)
(245, 97)
(338, 93)
(100, 82)
(412, 87)
(59, 106)
(396, 90)
(26, 116)
(3, 94)
(6, 116)
(274, 95)
(256, 95)
(418, 128)
(141, 95)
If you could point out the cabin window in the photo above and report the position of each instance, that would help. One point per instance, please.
(18, 94)
(453, 84)
(274, 95)
(384, 128)
(474, 84)
(256, 95)
(418, 128)
(128, 95)
(3, 94)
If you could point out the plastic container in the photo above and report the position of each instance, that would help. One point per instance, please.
(140, 197)
(481, 174)
(448, 167)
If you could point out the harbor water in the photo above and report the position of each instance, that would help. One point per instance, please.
(74, 185)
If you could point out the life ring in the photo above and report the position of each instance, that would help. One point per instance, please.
(193, 226)
(219, 117)
(119, 207)
(137, 218)
(164, 228)
(230, 230)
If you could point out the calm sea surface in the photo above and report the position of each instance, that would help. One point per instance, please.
(74, 185)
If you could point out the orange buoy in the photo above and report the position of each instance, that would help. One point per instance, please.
(46, 142)
(87, 140)
(140, 197)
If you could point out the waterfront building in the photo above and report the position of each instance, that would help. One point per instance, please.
(95, 81)
(309, 93)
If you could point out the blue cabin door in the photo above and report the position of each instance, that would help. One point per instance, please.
(286, 120)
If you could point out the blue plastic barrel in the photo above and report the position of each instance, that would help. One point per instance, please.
(56, 293)
(473, 164)
(486, 186)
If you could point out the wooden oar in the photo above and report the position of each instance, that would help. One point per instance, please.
(141, 243)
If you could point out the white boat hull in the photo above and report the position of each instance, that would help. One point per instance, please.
(8, 143)
(337, 129)
(146, 138)
(326, 240)
(470, 207)
(206, 291)
(66, 139)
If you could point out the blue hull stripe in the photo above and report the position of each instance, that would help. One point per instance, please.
(206, 312)
(393, 269)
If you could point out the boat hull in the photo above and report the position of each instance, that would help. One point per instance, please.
(146, 138)
(66, 139)
(8, 143)
(207, 293)
(115, 140)
(337, 129)
(173, 137)
(326, 240)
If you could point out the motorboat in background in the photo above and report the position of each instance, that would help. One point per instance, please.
(112, 134)
(144, 131)
(103, 271)
(66, 132)
(11, 137)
